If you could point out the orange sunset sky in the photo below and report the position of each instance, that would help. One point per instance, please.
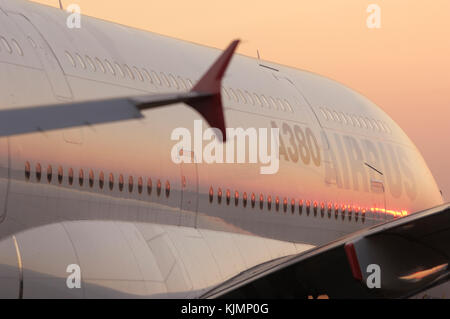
(404, 66)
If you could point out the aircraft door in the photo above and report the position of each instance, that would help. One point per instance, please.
(45, 54)
(189, 190)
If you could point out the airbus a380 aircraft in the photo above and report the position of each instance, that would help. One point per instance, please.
(88, 184)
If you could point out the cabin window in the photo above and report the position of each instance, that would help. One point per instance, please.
(249, 98)
(49, 173)
(174, 81)
(264, 101)
(253, 200)
(228, 196)
(100, 65)
(140, 185)
(110, 67)
(167, 189)
(363, 123)
(285, 204)
(372, 124)
(323, 113)
(273, 104)
(6, 45)
(130, 184)
(81, 177)
(27, 171)
(348, 119)
(300, 206)
(236, 198)
(315, 209)
(71, 60)
(38, 172)
(280, 105)
(368, 123)
(343, 118)
(164, 79)
(329, 115)
(233, 95)
(190, 84)
(158, 188)
(257, 100)
(269, 202)
(90, 63)
(261, 201)
(118, 67)
(70, 176)
(244, 199)
(183, 85)
(292, 206)
(381, 126)
(288, 106)
(155, 75)
(211, 194)
(91, 178)
(101, 180)
(60, 174)
(277, 203)
(147, 75)
(356, 121)
(226, 92)
(121, 182)
(111, 181)
(136, 70)
(128, 71)
(80, 59)
(336, 116)
(308, 207)
(219, 195)
(241, 96)
(329, 210)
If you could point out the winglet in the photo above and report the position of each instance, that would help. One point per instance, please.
(211, 107)
(352, 258)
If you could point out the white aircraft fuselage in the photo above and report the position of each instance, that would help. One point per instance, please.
(110, 199)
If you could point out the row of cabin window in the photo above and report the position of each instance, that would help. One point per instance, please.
(123, 70)
(91, 179)
(10, 48)
(354, 120)
(309, 207)
(114, 68)
(259, 100)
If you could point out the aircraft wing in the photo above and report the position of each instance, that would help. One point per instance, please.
(409, 255)
(205, 97)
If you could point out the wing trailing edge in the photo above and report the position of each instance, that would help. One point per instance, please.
(410, 254)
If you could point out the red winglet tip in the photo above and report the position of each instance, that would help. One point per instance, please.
(210, 83)
(353, 261)
(211, 80)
